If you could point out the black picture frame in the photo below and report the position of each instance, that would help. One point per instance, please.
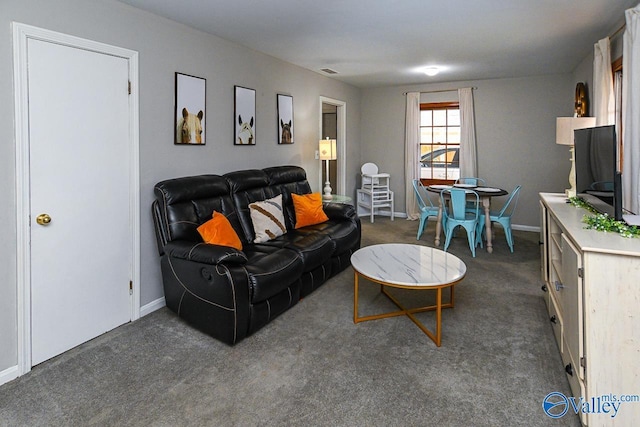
(244, 116)
(190, 110)
(285, 119)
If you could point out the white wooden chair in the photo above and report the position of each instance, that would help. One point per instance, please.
(374, 193)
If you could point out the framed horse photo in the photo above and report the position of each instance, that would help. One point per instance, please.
(189, 115)
(244, 116)
(285, 119)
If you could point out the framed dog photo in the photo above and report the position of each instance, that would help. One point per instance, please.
(285, 119)
(190, 106)
(244, 116)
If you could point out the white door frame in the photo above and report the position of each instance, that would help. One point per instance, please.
(21, 34)
(341, 142)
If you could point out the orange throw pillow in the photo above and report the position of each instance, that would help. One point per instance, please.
(308, 209)
(218, 231)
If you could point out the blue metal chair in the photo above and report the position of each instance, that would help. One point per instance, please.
(427, 208)
(456, 214)
(471, 181)
(502, 217)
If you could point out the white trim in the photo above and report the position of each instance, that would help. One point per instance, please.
(9, 374)
(21, 34)
(367, 215)
(525, 228)
(341, 140)
(152, 306)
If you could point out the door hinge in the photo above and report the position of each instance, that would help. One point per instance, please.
(129, 87)
(581, 272)
(583, 363)
(130, 287)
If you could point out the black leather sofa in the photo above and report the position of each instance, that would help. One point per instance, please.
(227, 293)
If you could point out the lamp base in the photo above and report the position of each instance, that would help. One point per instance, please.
(571, 192)
(327, 191)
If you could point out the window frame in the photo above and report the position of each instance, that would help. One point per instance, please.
(432, 106)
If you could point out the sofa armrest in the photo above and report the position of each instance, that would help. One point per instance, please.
(340, 211)
(204, 253)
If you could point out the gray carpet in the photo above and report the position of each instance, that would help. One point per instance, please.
(313, 366)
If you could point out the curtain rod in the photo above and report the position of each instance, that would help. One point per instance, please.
(616, 32)
(441, 90)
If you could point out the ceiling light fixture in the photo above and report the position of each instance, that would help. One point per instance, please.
(431, 71)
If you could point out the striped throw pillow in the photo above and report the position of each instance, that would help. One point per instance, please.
(268, 219)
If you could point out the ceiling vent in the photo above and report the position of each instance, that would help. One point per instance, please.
(329, 71)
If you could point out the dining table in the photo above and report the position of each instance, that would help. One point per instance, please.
(485, 193)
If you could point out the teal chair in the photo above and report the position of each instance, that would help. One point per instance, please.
(471, 181)
(427, 208)
(502, 217)
(457, 214)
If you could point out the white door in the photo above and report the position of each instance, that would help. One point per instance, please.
(79, 149)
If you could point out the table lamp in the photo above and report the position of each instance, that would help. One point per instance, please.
(327, 152)
(564, 136)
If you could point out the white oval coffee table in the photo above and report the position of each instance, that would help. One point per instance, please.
(405, 266)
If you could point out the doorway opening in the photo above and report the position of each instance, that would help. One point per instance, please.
(333, 126)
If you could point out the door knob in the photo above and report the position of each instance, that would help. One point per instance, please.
(43, 219)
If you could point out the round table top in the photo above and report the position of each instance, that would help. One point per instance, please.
(338, 198)
(408, 266)
(481, 190)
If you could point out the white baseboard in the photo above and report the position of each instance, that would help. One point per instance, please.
(152, 306)
(404, 215)
(383, 213)
(525, 228)
(9, 374)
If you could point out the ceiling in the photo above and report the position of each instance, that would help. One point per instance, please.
(372, 43)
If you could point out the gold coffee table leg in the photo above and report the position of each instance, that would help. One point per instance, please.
(355, 297)
(436, 338)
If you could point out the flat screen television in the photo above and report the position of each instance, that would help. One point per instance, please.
(598, 178)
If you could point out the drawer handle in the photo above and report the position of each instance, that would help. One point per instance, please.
(544, 288)
(569, 369)
(553, 319)
(559, 285)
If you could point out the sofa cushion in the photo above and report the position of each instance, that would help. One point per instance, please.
(268, 219)
(186, 203)
(312, 248)
(308, 208)
(270, 270)
(218, 231)
(344, 235)
(287, 180)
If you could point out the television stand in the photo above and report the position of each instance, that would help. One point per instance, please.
(592, 293)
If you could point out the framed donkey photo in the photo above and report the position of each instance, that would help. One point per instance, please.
(189, 114)
(244, 116)
(285, 119)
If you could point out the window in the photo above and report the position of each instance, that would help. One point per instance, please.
(616, 68)
(439, 142)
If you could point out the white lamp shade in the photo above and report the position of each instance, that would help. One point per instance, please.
(566, 125)
(328, 149)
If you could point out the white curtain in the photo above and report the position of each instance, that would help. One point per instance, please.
(468, 162)
(631, 111)
(411, 150)
(603, 96)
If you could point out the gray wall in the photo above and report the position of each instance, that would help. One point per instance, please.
(515, 121)
(166, 47)
(515, 133)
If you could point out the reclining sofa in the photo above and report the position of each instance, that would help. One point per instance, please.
(229, 293)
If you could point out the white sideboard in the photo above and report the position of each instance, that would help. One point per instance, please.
(592, 291)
